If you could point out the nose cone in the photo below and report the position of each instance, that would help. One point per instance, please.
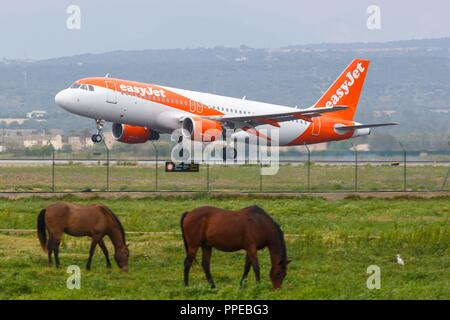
(62, 99)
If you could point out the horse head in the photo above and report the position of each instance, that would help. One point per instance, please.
(121, 256)
(278, 272)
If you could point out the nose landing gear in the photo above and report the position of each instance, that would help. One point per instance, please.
(98, 137)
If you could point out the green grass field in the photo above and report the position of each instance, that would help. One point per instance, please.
(330, 243)
(76, 177)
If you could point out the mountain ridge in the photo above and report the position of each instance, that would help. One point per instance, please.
(408, 81)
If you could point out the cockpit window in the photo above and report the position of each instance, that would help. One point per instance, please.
(83, 87)
(91, 87)
(75, 86)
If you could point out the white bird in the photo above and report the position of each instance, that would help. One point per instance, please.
(400, 260)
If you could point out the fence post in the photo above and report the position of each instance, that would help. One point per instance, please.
(156, 165)
(53, 164)
(107, 165)
(308, 175)
(446, 178)
(207, 175)
(53, 168)
(356, 165)
(404, 165)
(260, 176)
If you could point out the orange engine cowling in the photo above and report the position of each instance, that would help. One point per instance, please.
(200, 129)
(133, 134)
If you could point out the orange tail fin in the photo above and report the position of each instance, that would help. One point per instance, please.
(345, 91)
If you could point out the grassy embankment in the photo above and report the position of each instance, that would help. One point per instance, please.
(331, 244)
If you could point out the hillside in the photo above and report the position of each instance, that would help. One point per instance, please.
(408, 82)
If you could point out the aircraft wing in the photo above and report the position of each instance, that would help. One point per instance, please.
(363, 126)
(274, 118)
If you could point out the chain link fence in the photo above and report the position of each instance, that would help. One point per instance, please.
(100, 170)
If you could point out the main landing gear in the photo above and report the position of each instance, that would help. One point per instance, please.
(229, 153)
(98, 137)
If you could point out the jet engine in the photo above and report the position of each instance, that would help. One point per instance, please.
(133, 134)
(201, 129)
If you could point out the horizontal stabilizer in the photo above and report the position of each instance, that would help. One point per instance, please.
(363, 126)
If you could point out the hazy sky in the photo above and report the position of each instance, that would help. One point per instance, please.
(37, 29)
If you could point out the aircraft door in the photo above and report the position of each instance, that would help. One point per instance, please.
(316, 126)
(111, 94)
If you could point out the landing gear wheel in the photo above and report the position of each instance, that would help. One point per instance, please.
(96, 138)
(183, 154)
(229, 153)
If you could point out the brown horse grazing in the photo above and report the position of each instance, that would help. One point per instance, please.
(251, 229)
(94, 221)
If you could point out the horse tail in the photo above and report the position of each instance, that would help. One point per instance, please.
(182, 231)
(42, 235)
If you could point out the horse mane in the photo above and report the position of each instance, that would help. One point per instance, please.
(122, 230)
(280, 234)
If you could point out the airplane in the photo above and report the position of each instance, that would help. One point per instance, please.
(141, 112)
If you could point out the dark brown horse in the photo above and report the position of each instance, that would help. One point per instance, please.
(94, 221)
(251, 229)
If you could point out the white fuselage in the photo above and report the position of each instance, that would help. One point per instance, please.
(119, 107)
